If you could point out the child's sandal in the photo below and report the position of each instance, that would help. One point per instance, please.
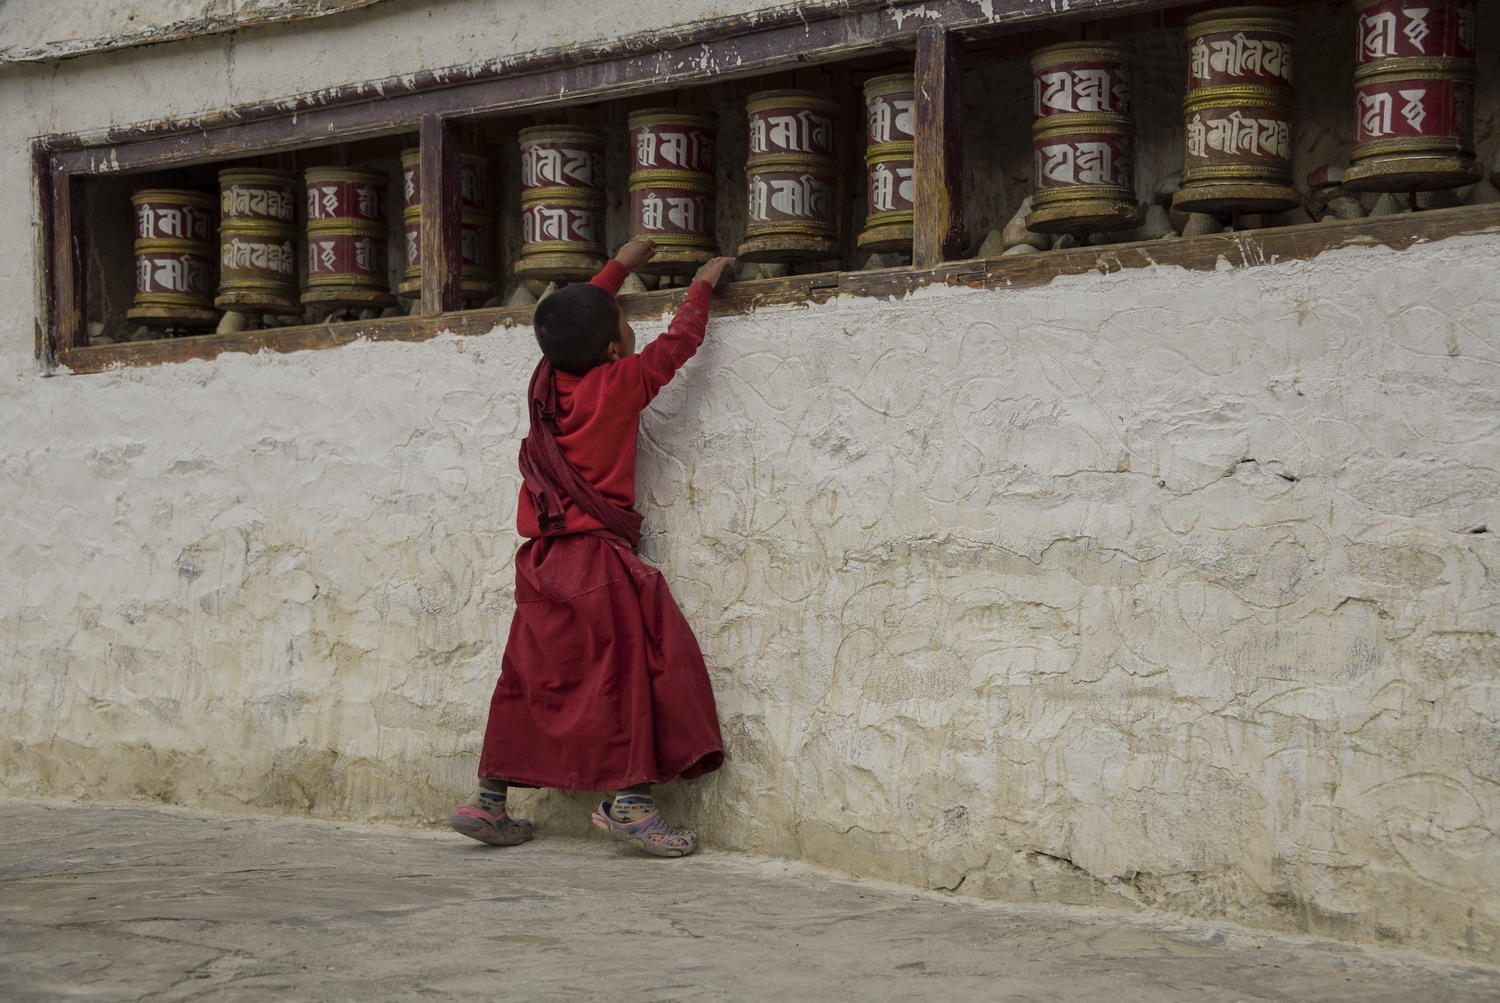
(651, 833)
(496, 830)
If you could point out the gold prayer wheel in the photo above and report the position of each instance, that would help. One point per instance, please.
(347, 243)
(562, 203)
(890, 145)
(174, 259)
(476, 227)
(791, 178)
(563, 234)
(672, 187)
(889, 198)
(1237, 113)
(258, 242)
(1083, 140)
(1414, 97)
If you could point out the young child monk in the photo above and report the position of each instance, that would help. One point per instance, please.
(602, 686)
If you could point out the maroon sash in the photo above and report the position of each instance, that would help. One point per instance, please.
(551, 479)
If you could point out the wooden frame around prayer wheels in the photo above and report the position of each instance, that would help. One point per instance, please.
(439, 104)
(1414, 97)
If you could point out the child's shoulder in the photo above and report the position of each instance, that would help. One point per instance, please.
(610, 385)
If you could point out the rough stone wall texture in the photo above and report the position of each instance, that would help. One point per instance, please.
(1159, 588)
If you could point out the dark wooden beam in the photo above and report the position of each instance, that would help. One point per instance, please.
(722, 49)
(46, 319)
(442, 214)
(1210, 252)
(70, 302)
(938, 233)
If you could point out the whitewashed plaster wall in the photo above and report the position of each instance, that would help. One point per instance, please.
(1155, 589)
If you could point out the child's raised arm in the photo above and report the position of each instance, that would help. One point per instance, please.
(660, 360)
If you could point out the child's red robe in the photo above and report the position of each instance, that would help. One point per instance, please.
(602, 685)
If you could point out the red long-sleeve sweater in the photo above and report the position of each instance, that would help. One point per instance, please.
(598, 413)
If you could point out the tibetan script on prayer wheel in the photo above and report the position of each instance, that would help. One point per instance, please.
(174, 266)
(1083, 140)
(791, 178)
(473, 180)
(257, 242)
(347, 241)
(562, 203)
(475, 240)
(672, 187)
(1237, 113)
(476, 227)
(1414, 97)
(890, 147)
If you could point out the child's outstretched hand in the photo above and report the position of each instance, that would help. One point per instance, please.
(712, 271)
(635, 254)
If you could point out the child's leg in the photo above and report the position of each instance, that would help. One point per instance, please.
(483, 817)
(631, 816)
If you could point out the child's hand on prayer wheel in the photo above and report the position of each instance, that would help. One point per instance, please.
(713, 270)
(635, 253)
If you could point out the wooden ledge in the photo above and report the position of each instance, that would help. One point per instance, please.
(1242, 249)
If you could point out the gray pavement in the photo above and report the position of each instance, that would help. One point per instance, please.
(119, 902)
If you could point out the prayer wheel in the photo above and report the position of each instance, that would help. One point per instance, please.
(791, 178)
(258, 242)
(1414, 97)
(346, 239)
(1237, 113)
(476, 226)
(890, 146)
(174, 259)
(1083, 140)
(475, 240)
(562, 203)
(473, 180)
(672, 187)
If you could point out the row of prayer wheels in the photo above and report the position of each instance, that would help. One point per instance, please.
(1414, 89)
(257, 233)
(791, 184)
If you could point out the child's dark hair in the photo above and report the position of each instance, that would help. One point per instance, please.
(575, 325)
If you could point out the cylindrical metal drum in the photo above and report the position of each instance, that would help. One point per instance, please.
(475, 238)
(1414, 97)
(791, 178)
(890, 145)
(476, 227)
(346, 238)
(562, 203)
(174, 267)
(473, 179)
(672, 187)
(1237, 113)
(1083, 140)
(257, 242)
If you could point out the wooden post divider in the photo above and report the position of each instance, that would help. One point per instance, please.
(938, 231)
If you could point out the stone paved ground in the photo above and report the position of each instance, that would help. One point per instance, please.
(126, 903)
